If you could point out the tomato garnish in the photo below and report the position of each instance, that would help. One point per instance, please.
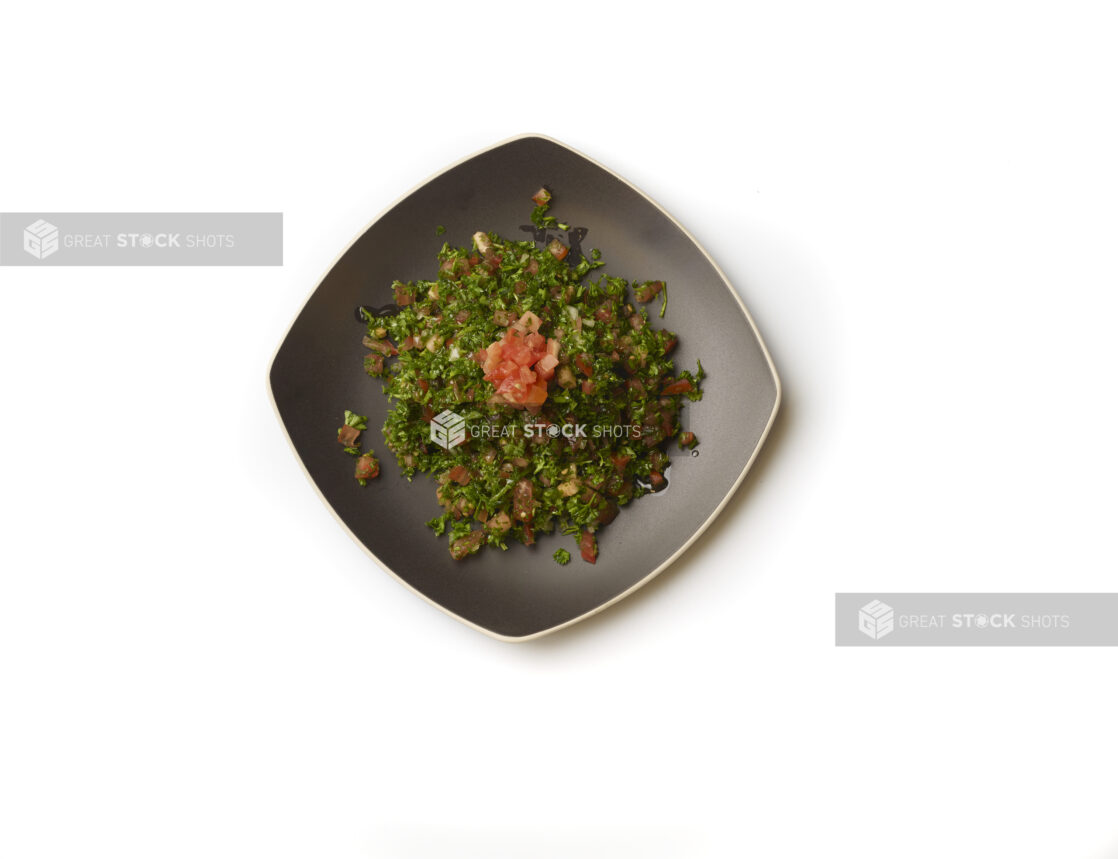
(509, 363)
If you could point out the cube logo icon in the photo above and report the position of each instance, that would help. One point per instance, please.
(875, 619)
(40, 239)
(448, 430)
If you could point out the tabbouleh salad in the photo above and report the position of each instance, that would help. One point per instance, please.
(516, 341)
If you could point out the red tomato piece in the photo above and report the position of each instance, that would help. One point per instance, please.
(588, 547)
(546, 366)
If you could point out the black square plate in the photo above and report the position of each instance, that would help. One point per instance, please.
(522, 593)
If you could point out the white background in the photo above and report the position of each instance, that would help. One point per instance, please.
(919, 205)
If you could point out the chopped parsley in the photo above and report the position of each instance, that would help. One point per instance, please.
(356, 421)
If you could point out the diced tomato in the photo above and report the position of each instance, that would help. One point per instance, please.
(423, 386)
(453, 268)
(348, 435)
(680, 386)
(480, 356)
(367, 467)
(528, 322)
(492, 357)
(460, 475)
(588, 547)
(537, 393)
(402, 292)
(374, 364)
(468, 545)
(557, 249)
(546, 366)
(541, 197)
(384, 347)
(508, 363)
(524, 356)
(583, 364)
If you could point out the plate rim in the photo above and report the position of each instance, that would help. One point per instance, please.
(698, 532)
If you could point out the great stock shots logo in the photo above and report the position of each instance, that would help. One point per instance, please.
(448, 430)
(141, 238)
(40, 239)
(875, 619)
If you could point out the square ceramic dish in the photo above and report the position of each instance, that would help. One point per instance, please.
(522, 593)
